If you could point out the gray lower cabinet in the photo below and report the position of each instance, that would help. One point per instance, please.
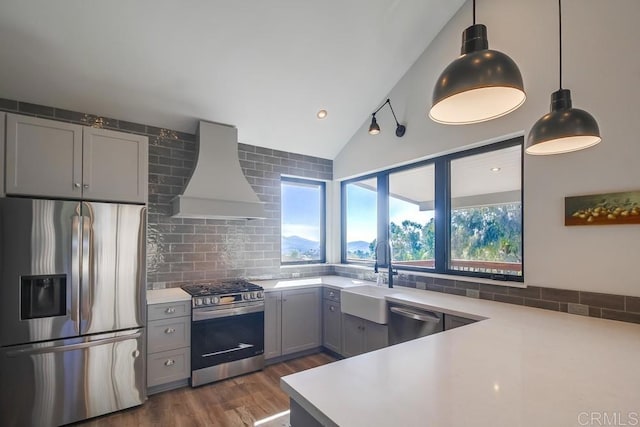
(452, 322)
(3, 117)
(301, 320)
(168, 345)
(331, 320)
(332, 326)
(272, 324)
(292, 321)
(361, 336)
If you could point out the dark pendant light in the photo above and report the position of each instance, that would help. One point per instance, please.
(374, 128)
(564, 129)
(480, 85)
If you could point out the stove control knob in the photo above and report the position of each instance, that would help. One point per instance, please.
(259, 295)
(215, 300)
(207, 300)
(198, 301)
(252, 295)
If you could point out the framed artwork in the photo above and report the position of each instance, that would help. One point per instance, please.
(603, 209)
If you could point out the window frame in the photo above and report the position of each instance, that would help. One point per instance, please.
(343, 216)
(442, 205)
(322, 185)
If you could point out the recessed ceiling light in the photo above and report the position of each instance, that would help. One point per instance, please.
(495, 169)
(321, 114)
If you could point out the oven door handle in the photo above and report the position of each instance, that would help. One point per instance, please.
(241, 346)
(226, 312)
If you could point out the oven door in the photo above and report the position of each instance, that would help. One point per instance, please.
(226, 335)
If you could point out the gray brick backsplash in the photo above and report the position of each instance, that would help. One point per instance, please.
(182, 250)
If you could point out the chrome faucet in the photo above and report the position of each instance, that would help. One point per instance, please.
(386, 260)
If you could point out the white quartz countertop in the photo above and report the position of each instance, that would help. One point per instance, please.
(337, 282)
(160, 296)
(520, 367)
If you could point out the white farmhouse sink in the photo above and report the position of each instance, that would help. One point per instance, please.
(366, 302)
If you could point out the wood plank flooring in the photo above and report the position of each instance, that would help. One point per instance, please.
(239, 401)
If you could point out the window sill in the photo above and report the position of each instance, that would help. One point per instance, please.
(318, 264)
(506, 283)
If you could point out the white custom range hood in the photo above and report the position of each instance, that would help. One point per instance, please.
(218, 188)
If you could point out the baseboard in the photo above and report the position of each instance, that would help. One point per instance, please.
(290, 356)
(168, 386)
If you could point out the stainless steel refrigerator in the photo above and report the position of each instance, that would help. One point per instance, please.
(72, 310)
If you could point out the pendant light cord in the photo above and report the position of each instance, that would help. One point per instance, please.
(474, 12)
(560, 38)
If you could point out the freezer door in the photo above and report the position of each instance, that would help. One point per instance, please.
(60, 382)
(113, 267)
(39, 270)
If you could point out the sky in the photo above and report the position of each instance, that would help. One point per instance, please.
(362, 213)
(301, 212)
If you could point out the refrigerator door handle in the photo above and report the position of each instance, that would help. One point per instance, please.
(76, 250)
(86, 273)
(69, 347)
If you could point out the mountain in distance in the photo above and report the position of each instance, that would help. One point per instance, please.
(302, 245)
(358, 245)
(299, 244)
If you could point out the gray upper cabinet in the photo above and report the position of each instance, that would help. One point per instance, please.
(301, 320)
(44, 157)
(114, 166)
(48, 158)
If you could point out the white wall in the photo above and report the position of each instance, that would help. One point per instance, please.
(602, 69)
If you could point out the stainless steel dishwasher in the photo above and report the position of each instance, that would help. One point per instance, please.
(408, 323)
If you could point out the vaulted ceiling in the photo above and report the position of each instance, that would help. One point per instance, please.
(266, 67)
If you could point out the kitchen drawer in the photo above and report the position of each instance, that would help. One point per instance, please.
(169, 310)
(169, 333)
(168, 366)
(331, 294)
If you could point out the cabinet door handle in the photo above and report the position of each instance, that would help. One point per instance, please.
(85, 186)
(170, 310)
(169, 330)
(332, 294)
(169, 362)
(332, 308)
(77, 185)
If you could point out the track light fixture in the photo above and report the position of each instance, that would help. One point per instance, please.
(374, 129)
(564, 129)
(480, 85)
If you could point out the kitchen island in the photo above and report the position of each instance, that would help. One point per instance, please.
(519, 366)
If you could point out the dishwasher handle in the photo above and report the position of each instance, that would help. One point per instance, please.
(421, 316)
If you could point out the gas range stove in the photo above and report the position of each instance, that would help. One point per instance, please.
(224, 293)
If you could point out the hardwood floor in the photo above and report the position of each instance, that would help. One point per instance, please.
(239, 401)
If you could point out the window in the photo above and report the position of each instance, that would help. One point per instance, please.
(411, 216)
(360, 219)
(303, 221)
(456, 214)
(486, 212)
